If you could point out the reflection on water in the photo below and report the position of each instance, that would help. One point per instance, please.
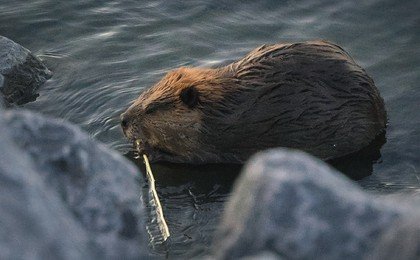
(104, 53)
(359, 165)
(192, 198)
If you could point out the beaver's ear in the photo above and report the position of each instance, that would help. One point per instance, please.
(189, 96)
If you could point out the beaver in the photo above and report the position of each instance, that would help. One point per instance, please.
(309, 95)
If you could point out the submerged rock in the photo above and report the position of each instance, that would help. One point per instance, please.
(21, 73)
(296, 207)
(65, 192)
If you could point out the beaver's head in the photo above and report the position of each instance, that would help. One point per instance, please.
(169, 118)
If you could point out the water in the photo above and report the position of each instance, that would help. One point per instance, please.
(104, 53)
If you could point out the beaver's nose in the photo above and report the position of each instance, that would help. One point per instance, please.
(124, 121)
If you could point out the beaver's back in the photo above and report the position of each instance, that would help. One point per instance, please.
(310, 96)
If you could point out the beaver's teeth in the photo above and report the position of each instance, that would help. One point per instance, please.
(137, 142)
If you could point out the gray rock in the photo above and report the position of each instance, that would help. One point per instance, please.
(34, 223)
(21, 73)
(400, 241)
(297, 207)
(98, 190)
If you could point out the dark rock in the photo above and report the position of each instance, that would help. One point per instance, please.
(21, 73)
(297, 207)
(97, 189)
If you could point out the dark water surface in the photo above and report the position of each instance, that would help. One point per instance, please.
(104, 53)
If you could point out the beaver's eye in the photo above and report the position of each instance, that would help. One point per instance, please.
(189, 96)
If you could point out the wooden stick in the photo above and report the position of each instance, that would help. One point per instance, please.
(162, 223)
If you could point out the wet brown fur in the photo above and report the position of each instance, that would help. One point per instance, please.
(310, 96)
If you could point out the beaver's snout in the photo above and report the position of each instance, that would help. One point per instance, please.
(124, 122)
(128, 123)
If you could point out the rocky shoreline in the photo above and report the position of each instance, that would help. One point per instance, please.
(66, 196)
